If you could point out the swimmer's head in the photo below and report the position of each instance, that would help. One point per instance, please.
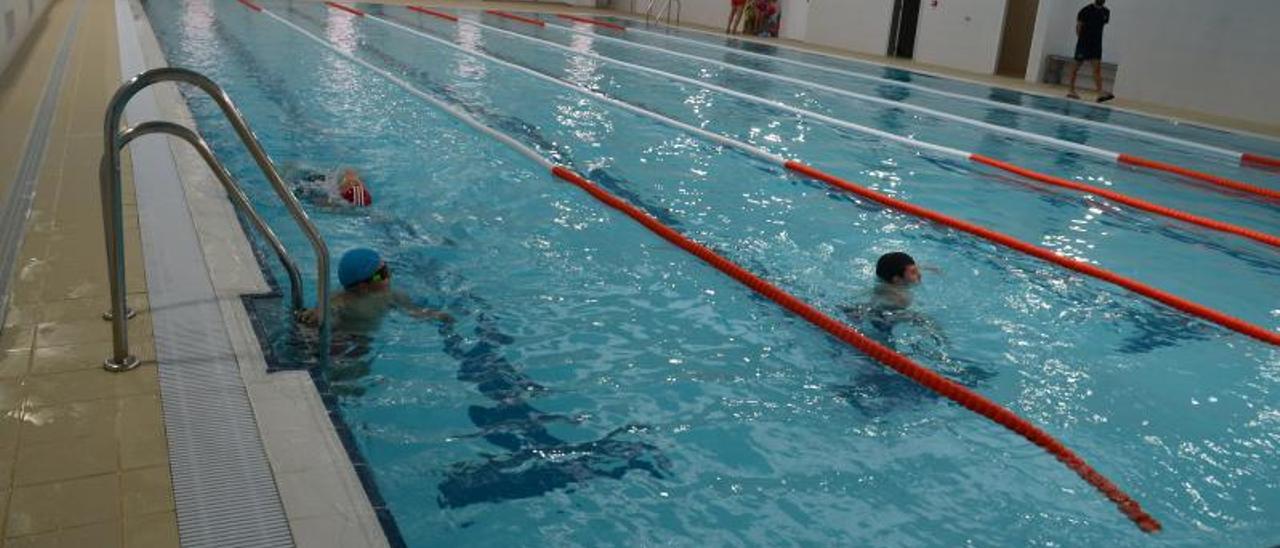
(361, 266)
(898, 268)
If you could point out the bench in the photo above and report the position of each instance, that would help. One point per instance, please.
(1057, 70)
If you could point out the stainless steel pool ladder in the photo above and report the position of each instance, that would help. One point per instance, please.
(662, 10)
(113, 202)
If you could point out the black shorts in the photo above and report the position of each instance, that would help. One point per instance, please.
(1088, 50)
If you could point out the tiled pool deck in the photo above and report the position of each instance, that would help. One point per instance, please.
(84, 451)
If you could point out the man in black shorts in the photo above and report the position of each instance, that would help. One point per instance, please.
(1089, 23)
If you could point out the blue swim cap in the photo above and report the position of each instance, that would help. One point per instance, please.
(358, 265)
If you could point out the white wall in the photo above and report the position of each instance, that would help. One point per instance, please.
(1217, 57)
(961, 34)
(23, 14)
(1220, 58)
(855, 25)
(795, 19)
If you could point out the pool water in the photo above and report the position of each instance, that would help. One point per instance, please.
(600, 386)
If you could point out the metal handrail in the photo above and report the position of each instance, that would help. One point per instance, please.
(113, 200)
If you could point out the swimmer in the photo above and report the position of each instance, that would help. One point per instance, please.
(338, 189)
(896, 273)
(367, 296)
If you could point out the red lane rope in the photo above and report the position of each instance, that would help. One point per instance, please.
(592, 21)
(1204, 312)
(250, 5)
(515, 17)
(1247, 158)
(922, 375)
(1211, 179)
(1131, 201)
(439, 14)
(347, 9)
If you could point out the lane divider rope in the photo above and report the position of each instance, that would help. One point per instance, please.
(1211, 224)
(345, 8)
(1205, 177)
(595, 22)
(250, 5)
(434, 13)
(924, 376)
(1243, 157)
(514, 17)
(1260, 160)
(1136, 203)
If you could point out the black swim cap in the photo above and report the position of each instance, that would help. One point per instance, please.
(892, 265)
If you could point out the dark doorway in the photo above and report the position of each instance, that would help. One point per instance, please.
(902, 30)
(1015, 43)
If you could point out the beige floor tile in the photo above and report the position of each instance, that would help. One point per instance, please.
(98, 535)
(140, 429)
(140, 451)
(75, 386)
(88, 309)
(141, 413)
(22, 314)
(50, 462)
(45, 507)
(44, 424)
(28, 283)
(27, 291)
(152, 531)
(146, 491)
(78, 357)
(14, 363)
(9, 429)
(17, 338)
(12, 395)
(62, 333)
(6, 471)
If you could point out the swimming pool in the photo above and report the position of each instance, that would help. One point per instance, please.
(600, 386)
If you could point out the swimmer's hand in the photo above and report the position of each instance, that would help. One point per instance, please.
(308, 316)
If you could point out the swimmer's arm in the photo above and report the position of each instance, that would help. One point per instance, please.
(403, 302)
(311, 316)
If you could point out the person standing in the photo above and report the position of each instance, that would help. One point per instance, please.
(736, 8)
(1089, 23)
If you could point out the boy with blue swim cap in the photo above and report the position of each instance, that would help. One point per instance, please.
(367, 295)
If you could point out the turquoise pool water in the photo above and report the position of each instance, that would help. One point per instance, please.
(602, 387)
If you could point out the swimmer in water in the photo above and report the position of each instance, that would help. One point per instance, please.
(367, 296)
(338, 189)
(896, 273)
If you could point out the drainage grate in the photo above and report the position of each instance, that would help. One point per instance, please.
(223, 488)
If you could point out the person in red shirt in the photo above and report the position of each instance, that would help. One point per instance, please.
(736, 7)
